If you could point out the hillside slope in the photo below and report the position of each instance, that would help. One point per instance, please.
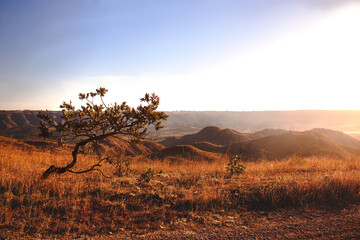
(10, 143)
(185, 152)
(122, 146)
(291, 143)
(336, 137)
(266, 132)
(210, 134)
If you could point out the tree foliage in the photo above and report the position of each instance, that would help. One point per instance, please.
(95, 121)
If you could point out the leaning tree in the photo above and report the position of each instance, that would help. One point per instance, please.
(96, 121)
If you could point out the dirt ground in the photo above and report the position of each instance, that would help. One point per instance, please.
(290, 224)
(284, 224)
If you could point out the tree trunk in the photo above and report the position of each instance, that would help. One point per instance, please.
(53, 169)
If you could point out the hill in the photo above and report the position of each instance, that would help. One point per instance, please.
(301, 144)
(110, 146)
(336, 137)
(185, 152)
(210, 134)
(266, 132)
(22, 124)
(9, 143)
(147, 148)
(209, 147)
(271, 143)
(122, 145)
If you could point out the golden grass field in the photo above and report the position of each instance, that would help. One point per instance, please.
(181, 195)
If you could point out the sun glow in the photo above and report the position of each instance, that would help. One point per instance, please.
(313, 66)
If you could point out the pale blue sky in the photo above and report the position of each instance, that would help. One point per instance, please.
(196, 55)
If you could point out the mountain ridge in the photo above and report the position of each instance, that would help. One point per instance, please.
(24, 124)
(269, 142)
(276, 144)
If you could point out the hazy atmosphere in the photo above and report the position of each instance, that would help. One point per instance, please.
(196, 55)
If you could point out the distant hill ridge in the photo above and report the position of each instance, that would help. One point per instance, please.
(117, 146)
(24, 124)
(336, 136)
(270, 143)
(212, 142)
(288, 144)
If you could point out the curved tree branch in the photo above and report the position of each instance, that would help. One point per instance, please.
(89, 170)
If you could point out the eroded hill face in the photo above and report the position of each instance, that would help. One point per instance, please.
(22, 124)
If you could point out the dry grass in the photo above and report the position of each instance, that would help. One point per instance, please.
(181, 195)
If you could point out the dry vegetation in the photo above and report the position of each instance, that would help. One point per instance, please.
(181, 195)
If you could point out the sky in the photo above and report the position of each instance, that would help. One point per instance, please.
(196, 55)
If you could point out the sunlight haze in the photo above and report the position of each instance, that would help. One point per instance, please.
(196, 55)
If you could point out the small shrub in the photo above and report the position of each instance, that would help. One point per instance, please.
(146, 176)
(234, 167)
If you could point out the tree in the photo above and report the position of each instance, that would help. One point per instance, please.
(93, 122)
